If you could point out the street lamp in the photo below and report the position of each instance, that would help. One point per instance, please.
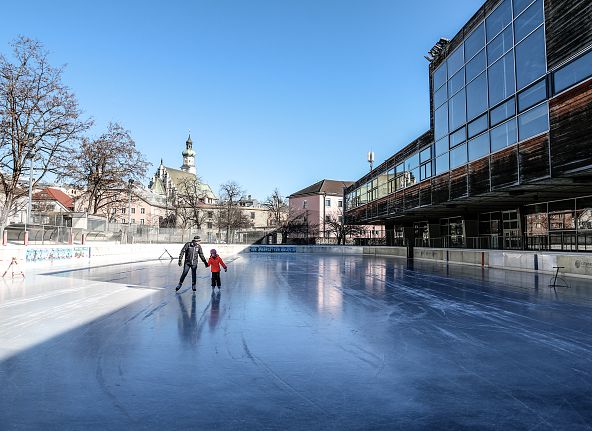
(129, 206)
(30, 155)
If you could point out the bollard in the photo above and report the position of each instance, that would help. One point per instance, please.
(26, 240)
(5, 237)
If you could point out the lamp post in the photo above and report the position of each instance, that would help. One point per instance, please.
(30, 155)
(129, 204)
(129, 208)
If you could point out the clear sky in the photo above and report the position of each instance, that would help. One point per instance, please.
(277, 93)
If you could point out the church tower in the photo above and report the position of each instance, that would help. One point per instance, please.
(189, 157)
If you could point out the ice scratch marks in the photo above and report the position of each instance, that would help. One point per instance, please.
(155, 309)
(277, 379)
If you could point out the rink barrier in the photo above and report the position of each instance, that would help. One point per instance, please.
(574, 264)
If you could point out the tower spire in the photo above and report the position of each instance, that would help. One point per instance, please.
(189, 156)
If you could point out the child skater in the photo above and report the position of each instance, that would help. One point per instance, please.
(214, 263)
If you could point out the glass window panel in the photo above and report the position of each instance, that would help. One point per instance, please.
(458, 137)
(498, 19)
(574, 72)
(477, 96)
(457, 113)
(440, 96)
(455, 61)
(426, 171)
(439, 76)
(503, 135)
(456, 82)
(412, 162)
(500, 45)
(477, 126)
(441, 121)
(458, 156)
(529, 20)
(425, 155)
(530, 59)
(476, 65)
(479, 147)
(533, 95)
(502, 112)
(400, 168)
(475, 41)
(413, 177)
(501, 79)
(533, 122)
(442, 164)
(441, 146)
(520, 5)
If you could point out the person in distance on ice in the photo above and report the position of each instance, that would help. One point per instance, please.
(214, 263)
(191, 251)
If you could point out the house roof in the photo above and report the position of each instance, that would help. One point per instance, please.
(330, 187)
(54, 194)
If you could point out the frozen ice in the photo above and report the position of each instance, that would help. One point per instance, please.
(299, 341)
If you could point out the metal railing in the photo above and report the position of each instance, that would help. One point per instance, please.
(44, 234)
(554, 241)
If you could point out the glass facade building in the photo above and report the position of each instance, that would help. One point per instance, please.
(497, 93)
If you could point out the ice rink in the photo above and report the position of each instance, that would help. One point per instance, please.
(295, 342)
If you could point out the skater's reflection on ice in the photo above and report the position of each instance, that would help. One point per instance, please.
(187, 323)
(215, 309)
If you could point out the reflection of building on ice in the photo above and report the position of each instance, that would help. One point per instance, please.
(329, 294)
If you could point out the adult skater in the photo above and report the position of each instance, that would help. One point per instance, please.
(191, 251)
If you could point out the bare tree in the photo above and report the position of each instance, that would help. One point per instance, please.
(277, 206)
(298, 227)
(39, 119)
(103, 168)
(190, 200)
(340, 230)
(230, 216)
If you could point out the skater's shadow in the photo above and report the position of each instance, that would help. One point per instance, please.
(215, 310)
(187, 322)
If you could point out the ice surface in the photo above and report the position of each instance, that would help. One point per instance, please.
(295, 342)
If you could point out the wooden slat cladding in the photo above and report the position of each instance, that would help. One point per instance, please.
(399, 202)
(504, 168)
(479, 177)
(412, 197)
(570, 115)
(568, 25)
(383, 207)
(441, 189)
(533, 157)
(391, 204)
(425, 193)
(458, 183)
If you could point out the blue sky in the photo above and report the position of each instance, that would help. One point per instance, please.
(276, 93)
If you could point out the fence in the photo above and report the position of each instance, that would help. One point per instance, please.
(44, 234)
(122, 233)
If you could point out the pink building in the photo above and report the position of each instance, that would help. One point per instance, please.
(318, 205)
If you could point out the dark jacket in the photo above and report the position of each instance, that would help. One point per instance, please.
(191, 251)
